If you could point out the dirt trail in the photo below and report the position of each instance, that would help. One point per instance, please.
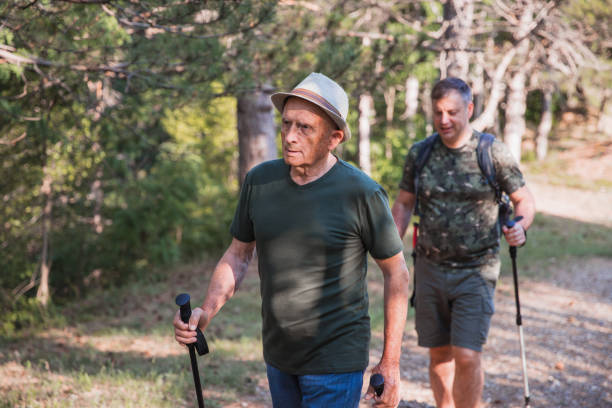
(568, 336)
(582, 205)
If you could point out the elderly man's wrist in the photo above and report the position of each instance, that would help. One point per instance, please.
(390, 361)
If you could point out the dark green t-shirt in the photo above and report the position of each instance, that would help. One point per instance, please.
(312, 243)
(458, 225)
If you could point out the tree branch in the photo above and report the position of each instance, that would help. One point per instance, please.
(14, 141)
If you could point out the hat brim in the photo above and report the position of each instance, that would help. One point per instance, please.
(279, 99)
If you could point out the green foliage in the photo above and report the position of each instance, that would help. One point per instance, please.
(23, 313)
(128, 115)
(122, 120)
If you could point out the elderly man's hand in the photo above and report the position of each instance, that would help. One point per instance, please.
(390, 397)
(186, 333)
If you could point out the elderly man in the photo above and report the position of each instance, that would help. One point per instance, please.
(312, 219)
(457, 256)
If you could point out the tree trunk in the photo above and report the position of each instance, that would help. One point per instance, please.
(389, 114)
(412, 105)
(478, 88)
(256, 130)
(545, 124)
(427, 106)
(366, 113)
(515, 114)
(517, 91)
(42, 294)
(459, 14)
(97, 195)
(486, 120)
(604, 121)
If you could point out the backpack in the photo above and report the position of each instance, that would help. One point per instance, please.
(485, 162)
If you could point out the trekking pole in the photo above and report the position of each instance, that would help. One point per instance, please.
(519, 319)
(415, 240)
(182, 301)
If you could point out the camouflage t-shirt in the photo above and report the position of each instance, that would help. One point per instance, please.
(458, 213)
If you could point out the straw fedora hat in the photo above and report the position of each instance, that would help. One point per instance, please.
(323, 92)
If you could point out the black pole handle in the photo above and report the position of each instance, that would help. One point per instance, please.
(510, 224)
(377, 381)
(183, 301)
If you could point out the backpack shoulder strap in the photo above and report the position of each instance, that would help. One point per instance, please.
(419, 163)
(485, 162)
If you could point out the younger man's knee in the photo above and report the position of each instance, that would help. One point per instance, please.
(465, 356)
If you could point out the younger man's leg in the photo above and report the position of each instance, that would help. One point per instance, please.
(469, 378)
(456, 377)
(442, 375)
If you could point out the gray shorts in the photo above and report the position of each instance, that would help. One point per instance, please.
(452, 306)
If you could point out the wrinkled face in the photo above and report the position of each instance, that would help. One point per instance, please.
(451, 116)
(307, 133)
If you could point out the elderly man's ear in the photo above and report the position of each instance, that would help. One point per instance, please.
(335, 138)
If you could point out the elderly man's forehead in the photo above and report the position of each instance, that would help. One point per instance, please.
(295, 103)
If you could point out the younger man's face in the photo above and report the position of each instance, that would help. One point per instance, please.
(451, 117)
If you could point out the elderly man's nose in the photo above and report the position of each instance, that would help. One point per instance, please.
(291, 132)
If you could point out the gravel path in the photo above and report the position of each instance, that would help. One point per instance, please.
(568, 339)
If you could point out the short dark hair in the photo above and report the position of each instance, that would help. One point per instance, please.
(444, 86)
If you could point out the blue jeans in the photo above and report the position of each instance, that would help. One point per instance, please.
(314, 391)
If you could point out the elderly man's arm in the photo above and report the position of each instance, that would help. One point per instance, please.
(396, 278)
(402, 210)
(226, 278)
(524, 206)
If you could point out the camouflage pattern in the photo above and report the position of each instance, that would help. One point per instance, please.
(458, 225)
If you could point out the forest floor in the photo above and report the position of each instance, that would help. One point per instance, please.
(115, 348)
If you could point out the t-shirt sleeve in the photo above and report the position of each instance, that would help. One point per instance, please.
(407, 182)
(379, 232)
(242, 225)
(508, 173)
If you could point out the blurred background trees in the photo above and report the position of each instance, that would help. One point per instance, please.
(127, 126)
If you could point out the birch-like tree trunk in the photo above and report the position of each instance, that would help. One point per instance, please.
(366, 113)
(516, 104)
(427, 106)
(487, 118)
(545, 124)
(256, 130)
(604, 121)
(478, 86)
(412, 105)
(389, 96)
(459, 14)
